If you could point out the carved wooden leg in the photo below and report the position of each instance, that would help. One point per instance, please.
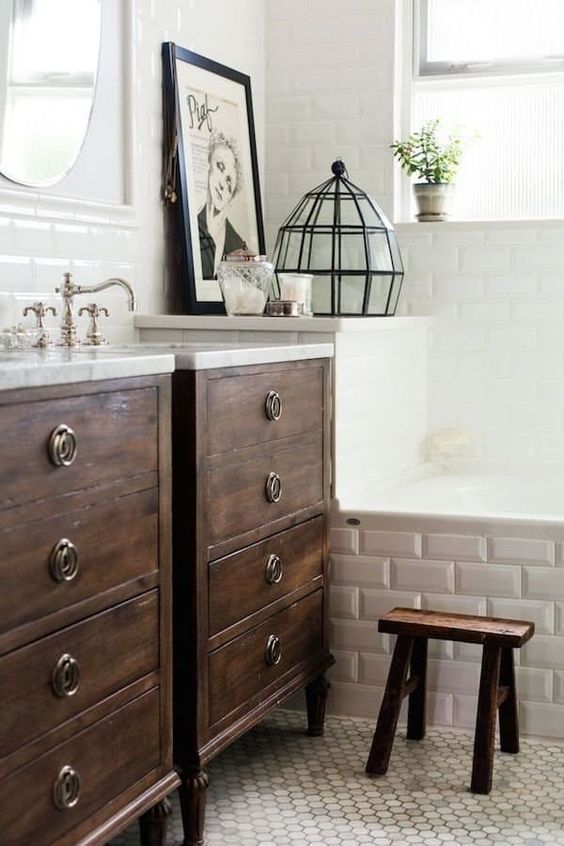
(383, 739)
(508, 713)
(193, 806)
(484, 740)
(417, 699)
(153, 824)
(316, 700)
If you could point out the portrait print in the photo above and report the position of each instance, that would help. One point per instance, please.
(219, 194)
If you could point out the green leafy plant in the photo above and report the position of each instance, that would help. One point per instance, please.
(427, 155)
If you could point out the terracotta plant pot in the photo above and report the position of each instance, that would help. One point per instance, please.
(432, 200)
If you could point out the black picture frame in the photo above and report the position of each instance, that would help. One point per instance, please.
(198, 89)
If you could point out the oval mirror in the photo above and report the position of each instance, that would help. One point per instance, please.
(48, 66)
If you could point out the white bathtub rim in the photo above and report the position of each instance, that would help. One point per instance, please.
(430, 522)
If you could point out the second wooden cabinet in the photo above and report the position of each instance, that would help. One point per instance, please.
(251, 491)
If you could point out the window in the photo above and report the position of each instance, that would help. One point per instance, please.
(495, 71)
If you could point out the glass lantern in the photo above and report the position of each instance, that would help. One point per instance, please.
(341, 236)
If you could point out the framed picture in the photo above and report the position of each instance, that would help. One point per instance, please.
(211, 170)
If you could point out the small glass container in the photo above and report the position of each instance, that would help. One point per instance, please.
(245, 280)
(18, 338)
(297, 287)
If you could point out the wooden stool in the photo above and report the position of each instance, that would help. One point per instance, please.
(497, 683)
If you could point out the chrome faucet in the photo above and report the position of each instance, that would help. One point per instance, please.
(70, 289)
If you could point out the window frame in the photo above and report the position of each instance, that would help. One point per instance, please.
(423, 68)
(409, 81)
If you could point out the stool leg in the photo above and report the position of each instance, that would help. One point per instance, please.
(508, 714)
(417, 699)
(383, 739)
(484, 740)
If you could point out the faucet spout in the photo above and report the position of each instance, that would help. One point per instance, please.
(109, 283)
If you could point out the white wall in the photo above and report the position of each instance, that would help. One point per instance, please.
(496, 290)
(496, 368)
(40, 238)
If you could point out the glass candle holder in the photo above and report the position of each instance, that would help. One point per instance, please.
(297, 287)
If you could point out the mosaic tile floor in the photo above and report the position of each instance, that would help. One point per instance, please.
(278, 787)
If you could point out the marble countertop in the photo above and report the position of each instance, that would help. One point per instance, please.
(202, 355)
(40, 368)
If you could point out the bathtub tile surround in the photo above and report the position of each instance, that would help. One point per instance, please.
(504, 568)
(276, 787)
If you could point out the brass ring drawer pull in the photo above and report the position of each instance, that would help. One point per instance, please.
(273, 487)
(63, 561)
(274, 570)
(273, 651)
(65, 679)
(66, 789)
(273, 406)
(62, 446)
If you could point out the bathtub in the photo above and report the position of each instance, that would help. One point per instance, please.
(480, 543)
(531, 496)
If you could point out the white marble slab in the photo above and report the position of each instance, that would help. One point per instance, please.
(278, 324)
(201, 355)
(41, 368)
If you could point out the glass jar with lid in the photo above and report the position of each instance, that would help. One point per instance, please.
(245, 280)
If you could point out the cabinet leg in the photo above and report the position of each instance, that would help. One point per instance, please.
(153, 824)
(316, 700)
(193, 806)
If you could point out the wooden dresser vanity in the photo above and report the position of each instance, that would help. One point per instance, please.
(251, 491)
(85, 598)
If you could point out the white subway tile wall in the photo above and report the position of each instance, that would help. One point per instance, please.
(479, 569)
(496, 366)
(42, 236)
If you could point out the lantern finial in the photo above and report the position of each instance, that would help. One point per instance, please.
(338, 167)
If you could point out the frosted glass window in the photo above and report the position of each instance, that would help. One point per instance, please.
(514, 168)
(495, 72)
(455, 32)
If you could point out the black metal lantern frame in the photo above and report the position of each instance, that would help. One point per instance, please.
(339, 234)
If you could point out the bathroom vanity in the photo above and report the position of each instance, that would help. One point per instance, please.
(250, 502)
(85, 599)
(86, 654)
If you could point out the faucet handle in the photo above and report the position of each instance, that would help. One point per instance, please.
(94, 337)
(40, 310)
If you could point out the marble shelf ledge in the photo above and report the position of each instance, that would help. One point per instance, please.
(325, 325)
(42, 368)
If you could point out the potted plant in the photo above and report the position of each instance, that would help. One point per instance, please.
(434, 157)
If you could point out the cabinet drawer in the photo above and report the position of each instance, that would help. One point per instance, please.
(246, 581)
(248, 410)
(114, 436)
(54, 679)
(107, 758)
(258, 658)
(50, 564)
(238, 498)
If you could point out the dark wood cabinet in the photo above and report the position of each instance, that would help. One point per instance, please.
(251, 469)
(85, 611)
